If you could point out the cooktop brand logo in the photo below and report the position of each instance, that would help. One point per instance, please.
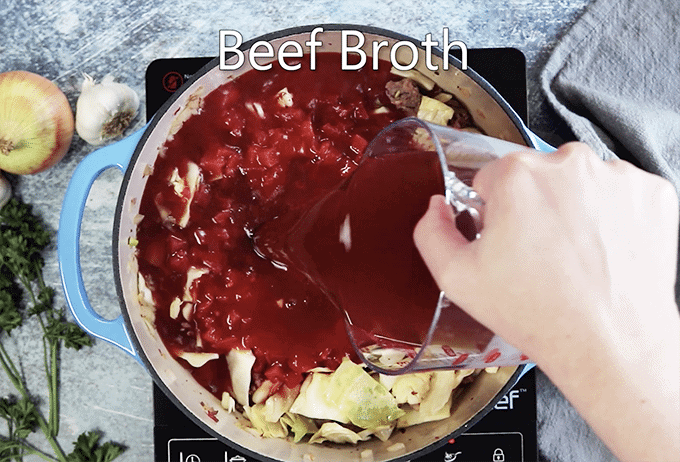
(404, 54)
(508, 401)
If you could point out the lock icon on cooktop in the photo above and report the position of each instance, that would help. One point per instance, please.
(498, 455)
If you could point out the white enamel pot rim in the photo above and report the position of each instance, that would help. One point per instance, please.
(133, 331)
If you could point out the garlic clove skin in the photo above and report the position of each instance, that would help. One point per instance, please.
(104, 110)
(5, 191)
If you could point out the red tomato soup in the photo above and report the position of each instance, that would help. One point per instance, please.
(262, 145)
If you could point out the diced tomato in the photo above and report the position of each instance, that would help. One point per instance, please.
(332, 129)
(155, 253)
(204, 311)
(290, 114)
(222, 217)
(201, 236)
(213, 260)
(224, 345)
(268, 157)
(234, 123)
(272, 182)
(178, 261)
(233, 318)
(214, 160)
(343, 111)
(360, 112)
(327, 152)
(358, 144)
(275, 373)
(301, 363)
(176, 243)
(219, 237)
(307, 136)
(260, 137)
(201, 196)
(229, 96)
(262, 156)
(293, 379)
(232, 166)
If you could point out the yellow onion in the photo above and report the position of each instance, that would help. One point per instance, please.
(5, 191)
(36, 123)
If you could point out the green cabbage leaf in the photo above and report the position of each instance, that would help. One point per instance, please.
(363, 400)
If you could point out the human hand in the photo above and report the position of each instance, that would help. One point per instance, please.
(576, 267)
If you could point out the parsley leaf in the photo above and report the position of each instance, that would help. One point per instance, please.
(9, 315)
(88, 449)
(71, 334)
(23, 294)
(22, 415)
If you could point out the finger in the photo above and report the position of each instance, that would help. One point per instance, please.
(442, 246)
(517, 168)
(492, 174)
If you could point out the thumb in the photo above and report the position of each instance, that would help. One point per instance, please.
(443, 248)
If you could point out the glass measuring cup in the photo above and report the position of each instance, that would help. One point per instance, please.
(448, 338)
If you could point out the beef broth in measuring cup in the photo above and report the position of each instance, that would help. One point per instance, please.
(357, 245)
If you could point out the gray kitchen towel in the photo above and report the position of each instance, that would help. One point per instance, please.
(615, 79)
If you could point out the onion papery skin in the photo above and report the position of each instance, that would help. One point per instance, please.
(36, 123)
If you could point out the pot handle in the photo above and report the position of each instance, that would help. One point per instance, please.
(539, 143)
(68, 242)
(525, 368)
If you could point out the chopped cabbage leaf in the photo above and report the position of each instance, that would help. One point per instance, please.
(417, 416)
(361, 398)
(383, 432)
(228, 402)
(408, 388)
(186, 188)
(280, 402)
(434, 111)
(263, 392)
(388, 380)
(257, 416)
(299, 425)
(192, 275)
(332, 431)
(284, 98)
(197, 359)
(174, 307)
(311, 401)
(144, 294)
(436, 404)
(240, 363)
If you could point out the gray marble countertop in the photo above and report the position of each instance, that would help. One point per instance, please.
(103, 388)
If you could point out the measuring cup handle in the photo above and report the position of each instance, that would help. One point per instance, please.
(68, 242)
(462, 197)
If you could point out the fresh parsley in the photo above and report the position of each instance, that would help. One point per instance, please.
(24, 295)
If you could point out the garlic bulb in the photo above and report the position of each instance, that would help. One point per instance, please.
(5, 191)
(104, 110)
